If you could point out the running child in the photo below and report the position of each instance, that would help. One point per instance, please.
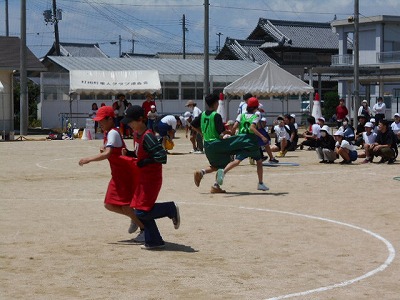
(218, 150)
(150, 157)
(247, 124)
(121, 186)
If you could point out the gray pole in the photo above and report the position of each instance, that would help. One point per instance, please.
(56, 36)
(119, 44)
(23, 113)
(356, 64)
(184, 36)
(206, 88)
(7, 30)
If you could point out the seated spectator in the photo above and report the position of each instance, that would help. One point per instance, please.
(385, 144)
(375, 127)
(294, 137)
(362, 119)
(347, 130)
(326, 146)
(282, 140)
(396, 126)
(344, 149)
(369, 137)
(311, 135)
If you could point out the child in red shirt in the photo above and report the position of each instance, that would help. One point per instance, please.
(121, 186)
(150, 156)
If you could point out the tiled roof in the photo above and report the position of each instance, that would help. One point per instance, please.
(248, 50)
(311, 35)
(78, 50)
(10, 56)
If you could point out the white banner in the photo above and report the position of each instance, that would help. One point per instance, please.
(127, 82)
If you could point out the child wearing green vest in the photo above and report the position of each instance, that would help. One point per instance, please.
(247, 123)
(218, 149)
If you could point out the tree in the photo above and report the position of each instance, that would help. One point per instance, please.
(331, 100)
(33, 100)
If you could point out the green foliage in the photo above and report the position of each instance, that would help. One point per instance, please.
(331, 100)
(33, 100)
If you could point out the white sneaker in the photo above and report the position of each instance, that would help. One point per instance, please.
(262, 187)
(133, 227)
(140, 237)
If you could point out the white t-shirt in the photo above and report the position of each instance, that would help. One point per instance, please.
(395, 127)
(242, 107)
(196, 112)
(316, 130)
(170, 120)
(346, 145)
(369, 139)
(281, 133)
(379, 108)
(113, 139)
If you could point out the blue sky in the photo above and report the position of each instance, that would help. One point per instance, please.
(156, 25)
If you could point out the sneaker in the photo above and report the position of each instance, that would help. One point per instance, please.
(273, 161)
(281, 154)
(140, 237)
(330, 162)
(217, 190)
(366, 161)
(301, 146)
(198, 175)
(154, 247)
(198, 152)
(391, 161)
(177, 219)
(220, 176)
(133, 227)
(322, 161)
(252, 161)
(262, 187)
(345, 162)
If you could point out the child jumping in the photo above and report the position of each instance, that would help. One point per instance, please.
(150, 156)
(121, 186)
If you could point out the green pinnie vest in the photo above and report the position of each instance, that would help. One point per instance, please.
(207, 125)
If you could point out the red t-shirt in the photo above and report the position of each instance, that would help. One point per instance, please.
(146, 105)
(341, 112)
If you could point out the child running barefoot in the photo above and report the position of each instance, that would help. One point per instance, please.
(120, 189)
(150, 156)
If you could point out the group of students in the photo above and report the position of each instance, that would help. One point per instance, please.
(136, 175)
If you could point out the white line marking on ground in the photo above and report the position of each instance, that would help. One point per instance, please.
(388, 261)
(39, 164)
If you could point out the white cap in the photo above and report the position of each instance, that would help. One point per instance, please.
(339, 132)
(263, 119)
(293, 116)
(372, 120)
(153, 106)
(321, 118)
(369, 125)
(364, 101)
(326, 128)
(396, 115)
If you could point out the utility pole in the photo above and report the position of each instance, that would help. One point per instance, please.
(23, 98)
(206, 82)
(184, 29)
(356, 63)
(119, 44)
(57, 39)
(133, 45)
(219, 41)
(7, 29)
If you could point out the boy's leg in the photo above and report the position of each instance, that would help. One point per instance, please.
(125, 210)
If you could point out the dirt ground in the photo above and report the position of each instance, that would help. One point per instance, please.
(320, 232)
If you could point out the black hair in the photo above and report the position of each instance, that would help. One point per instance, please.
(311, 120)
(247, 96)
(211, 99)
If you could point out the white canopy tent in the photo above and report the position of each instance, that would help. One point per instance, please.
(126, 82)
(268, 80)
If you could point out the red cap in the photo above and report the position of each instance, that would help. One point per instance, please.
(252, 102)
(104, 112)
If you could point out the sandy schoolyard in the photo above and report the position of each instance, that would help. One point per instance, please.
(320, 232)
